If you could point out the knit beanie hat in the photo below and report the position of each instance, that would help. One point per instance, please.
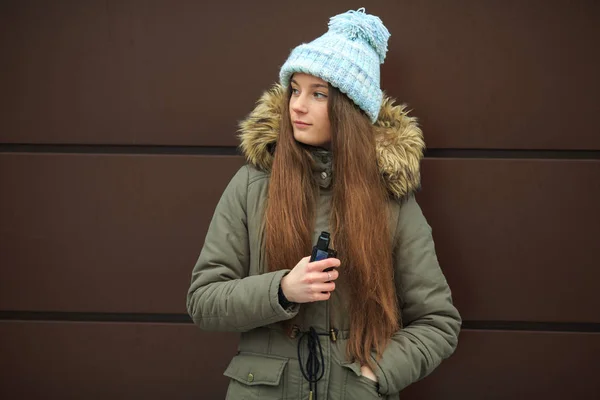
(347, 56)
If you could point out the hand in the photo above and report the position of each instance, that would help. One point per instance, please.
(307, 282)
(368, 373)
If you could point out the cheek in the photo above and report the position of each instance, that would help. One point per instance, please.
(325, 123)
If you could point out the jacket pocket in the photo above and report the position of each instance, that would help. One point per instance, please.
(369, 382)
(358, 386)
(255, 376)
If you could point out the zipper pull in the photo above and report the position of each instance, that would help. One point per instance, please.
(293, 332)
(333, 334)
(310, 395)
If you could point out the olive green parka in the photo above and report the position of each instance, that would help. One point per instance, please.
(232, 290)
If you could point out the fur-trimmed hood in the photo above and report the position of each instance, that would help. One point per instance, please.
(399, 141)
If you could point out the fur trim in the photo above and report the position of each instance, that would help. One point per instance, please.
(399, 141)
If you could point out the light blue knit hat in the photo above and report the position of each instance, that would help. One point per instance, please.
(347, 56)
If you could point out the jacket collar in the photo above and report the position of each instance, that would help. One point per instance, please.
(399, 142)
(322, 165)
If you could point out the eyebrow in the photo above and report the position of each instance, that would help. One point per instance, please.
(314, 85)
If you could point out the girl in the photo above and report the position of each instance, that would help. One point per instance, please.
(326, 152)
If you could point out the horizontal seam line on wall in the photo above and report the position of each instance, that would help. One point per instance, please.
(514, 153)
(58, 316)
(532, 326)
(119, 149)
(62, 316)
(232, 151)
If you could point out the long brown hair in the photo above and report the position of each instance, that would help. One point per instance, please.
(359, 220)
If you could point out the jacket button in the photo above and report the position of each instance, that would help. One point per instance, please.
(250, 378)
(323, 174)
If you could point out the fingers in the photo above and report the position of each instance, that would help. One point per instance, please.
(329, 276)
(324, 287)
(324, 264)
(320, 277)
(321, 291)
(304, 261)
(318, 292)
(320, 296)
(309, 282)
(319, 287)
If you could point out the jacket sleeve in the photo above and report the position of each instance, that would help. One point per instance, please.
(222, 296)
(431, 322)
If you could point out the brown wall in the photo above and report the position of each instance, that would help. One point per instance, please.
(117, 137)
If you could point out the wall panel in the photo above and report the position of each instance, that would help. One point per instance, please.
(104, 233)
(515, 365)
(517, 238)
(478, 74)
(54, 360)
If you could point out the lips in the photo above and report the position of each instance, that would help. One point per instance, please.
(301, 123)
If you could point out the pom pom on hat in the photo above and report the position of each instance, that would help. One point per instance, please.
(347, 56)
(358, 24)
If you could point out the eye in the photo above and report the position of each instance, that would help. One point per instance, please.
(320, 95)
(295, 91)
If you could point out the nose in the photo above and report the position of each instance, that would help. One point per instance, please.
(298, 104)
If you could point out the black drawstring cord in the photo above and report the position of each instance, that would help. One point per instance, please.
(315, 363)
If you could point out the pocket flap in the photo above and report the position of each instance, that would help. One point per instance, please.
(256, 369)
(354, 367)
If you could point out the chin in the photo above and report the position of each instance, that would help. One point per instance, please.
(303, 138)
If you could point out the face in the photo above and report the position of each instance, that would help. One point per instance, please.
(308, 110)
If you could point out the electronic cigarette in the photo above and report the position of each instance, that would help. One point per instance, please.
(321, 250)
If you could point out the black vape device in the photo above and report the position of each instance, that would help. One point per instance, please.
(322, 251)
